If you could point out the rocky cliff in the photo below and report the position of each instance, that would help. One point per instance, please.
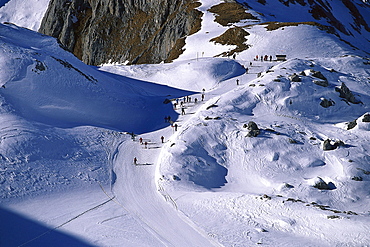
(134, 31)
(142, 31)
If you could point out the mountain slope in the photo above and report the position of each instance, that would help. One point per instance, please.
(301, 178)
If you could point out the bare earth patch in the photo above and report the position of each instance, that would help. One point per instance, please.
(227, 13)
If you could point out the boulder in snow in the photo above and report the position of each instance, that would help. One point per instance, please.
(318, 74)
(346, 94)
(253, 129)
(294, 78)
(326, 102)
(323, 83)
(322, 185)
(327, 145)
(366, 118)
(351, 125)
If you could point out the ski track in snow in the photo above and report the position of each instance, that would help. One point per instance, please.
(153, 203)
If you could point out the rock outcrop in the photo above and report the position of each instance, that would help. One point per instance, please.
(253, 129)
(99, 31)
(327, 145)
(346, 94)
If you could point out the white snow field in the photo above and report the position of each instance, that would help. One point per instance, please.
(70, 133)
(23, 13)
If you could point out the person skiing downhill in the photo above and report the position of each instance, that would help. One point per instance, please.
(162, 138)
(135, 161)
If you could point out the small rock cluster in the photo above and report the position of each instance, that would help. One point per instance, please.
(327, 145)
(253, 129)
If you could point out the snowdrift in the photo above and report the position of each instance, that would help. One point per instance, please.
(46, 84)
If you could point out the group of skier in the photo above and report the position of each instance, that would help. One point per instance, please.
(263, 58)
(167, 119)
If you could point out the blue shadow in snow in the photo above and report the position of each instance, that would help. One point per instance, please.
(16, 230)
(211, 177)
(151, 88)
(206, 171)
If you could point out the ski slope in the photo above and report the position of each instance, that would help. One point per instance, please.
(70, 132)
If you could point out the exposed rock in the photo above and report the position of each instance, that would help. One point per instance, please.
(99, 31)
(319, 75)
(230, 12)
(327, 145)
(294, 78)
(366, 118)
(323, 83)
(292, 141)
(326, 102)
(253, 129)
(211, 106)
(357, 178)
(345, 93)
(233, 36)
(351, 125)
(322, 185)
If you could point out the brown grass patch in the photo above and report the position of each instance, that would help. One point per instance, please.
(176, 50)
(227, 13)
(270, 26)
(233, 36)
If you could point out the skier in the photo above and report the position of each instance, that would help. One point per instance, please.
(182, 111)
(246, 70)
(162, 138)
(237, 81)
(135, 161)
(202, 96)
(141, 140)
(175, 127)
(145, 144)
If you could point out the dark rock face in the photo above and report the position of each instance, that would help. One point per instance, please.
(253, 129)
(327, 103)
(327, 146)
(322, 185)
(346, 94)
(136, 31)
(366, 118)
(294, 78)
(319, 75)
(351, 125)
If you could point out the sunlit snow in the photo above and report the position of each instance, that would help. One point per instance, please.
(70, 133)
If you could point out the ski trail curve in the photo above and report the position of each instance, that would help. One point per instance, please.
(135, 189)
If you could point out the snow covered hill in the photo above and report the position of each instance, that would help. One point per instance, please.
(277, 156)
(26, 14)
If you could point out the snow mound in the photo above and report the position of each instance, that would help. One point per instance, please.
(195, 75)
(45, 84)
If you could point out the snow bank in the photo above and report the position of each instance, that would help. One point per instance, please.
(26, 14)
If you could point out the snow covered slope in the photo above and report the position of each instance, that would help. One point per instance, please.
(67, 160)
(44, 88)
(26, 14)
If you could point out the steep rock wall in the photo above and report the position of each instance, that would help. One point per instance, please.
(133, 31)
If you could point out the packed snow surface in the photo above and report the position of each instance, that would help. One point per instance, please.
(26, 14)
(70, 133)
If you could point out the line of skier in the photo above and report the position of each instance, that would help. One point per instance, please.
(167, 119)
